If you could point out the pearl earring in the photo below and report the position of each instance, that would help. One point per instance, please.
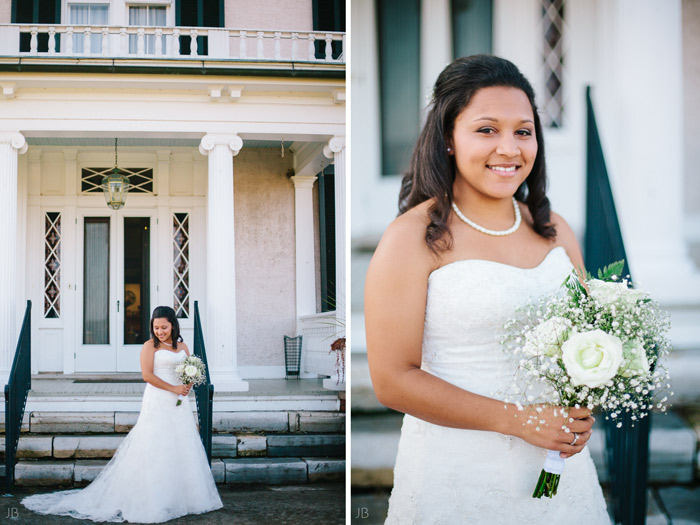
(449, 150)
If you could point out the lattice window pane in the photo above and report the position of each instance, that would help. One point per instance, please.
(181, 264)
(52, 265)
(553, 57)
(140, 179)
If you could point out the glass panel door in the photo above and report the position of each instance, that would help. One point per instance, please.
(137, 304)
(96, 281)
(134, 286)
(115, 288)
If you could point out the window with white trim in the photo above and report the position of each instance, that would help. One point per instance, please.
(147, 16)
(140, 179)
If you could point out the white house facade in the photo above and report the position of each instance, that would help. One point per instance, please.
(640, 59)
(223, 134)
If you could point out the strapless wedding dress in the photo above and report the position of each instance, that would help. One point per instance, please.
(158, 473)
(454, 476)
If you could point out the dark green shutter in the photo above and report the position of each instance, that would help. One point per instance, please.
(326, 204)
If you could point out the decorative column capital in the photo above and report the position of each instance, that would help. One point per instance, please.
(210, 141)
(303, 181)
(14, 139)
(335, 145)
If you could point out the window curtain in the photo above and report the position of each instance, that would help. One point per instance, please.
(96, 282)
(145, 16)
(92, 15)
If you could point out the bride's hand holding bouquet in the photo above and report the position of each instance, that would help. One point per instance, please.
(597, 346)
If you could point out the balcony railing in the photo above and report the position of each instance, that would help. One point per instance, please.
(36, 40)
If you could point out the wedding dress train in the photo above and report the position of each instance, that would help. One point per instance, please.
(158, 473)
(455, 476)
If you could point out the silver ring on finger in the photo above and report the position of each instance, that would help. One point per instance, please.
(575, 439)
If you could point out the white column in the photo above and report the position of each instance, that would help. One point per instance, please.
(304, 245)
(336, 151)
(220, 321)
(648, 181)
(10, 145)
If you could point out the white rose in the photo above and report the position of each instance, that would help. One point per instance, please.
(191, 370)
(546, 338)
(592, 358)
(604, 292)
(636, 362)
(179, 369)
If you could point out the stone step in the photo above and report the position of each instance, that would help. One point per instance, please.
(94, 446)
(673, 449)
(282, 470)
(121, 422)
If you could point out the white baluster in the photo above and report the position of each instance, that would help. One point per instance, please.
(244, 51)
(329, 47)
(159, 42)
(261, 45)
(295, 37)
(193, 42)
(123, 42)
(312, 47)
(69, 41)
(278, 52)
(175, 47)
(34, 41)
(141, 42)
(87, 36)
(52, 40)
(105, 42)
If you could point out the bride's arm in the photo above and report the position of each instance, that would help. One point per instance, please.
(395, 300)
(147, 353)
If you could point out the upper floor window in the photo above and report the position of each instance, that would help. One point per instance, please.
(88, 15)
(146, 16)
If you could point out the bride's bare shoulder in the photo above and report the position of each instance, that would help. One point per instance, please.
(403, 243)
(567, 239)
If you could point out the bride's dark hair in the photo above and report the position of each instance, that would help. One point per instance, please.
(165, 312)
(432, 171)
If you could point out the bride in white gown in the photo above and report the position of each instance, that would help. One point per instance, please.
(160, 470)
(475, 239)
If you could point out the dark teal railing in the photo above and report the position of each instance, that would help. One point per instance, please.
(627, 448)
(204, 394)
(16, 392)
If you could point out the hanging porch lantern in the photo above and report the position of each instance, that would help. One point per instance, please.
(115, 185)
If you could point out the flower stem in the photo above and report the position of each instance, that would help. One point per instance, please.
(546, 485)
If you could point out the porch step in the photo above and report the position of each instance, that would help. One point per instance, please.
(81, 393)
(80, 446)
(282, 470)
(107, 422)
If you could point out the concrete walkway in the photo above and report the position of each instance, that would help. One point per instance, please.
(317, 503)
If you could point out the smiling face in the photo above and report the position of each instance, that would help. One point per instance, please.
(163, 329)
(493, 143)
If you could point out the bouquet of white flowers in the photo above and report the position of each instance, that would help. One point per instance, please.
(191, 372)
(598, 345)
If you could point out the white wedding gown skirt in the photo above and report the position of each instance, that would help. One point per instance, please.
(455, 476)
(158, 473)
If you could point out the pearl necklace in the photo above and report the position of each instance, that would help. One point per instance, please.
(495, 233)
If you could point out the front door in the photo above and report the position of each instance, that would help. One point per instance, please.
(117, 252)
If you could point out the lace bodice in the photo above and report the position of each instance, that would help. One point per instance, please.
(468, 304)
(448, 475)
(164, 363)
